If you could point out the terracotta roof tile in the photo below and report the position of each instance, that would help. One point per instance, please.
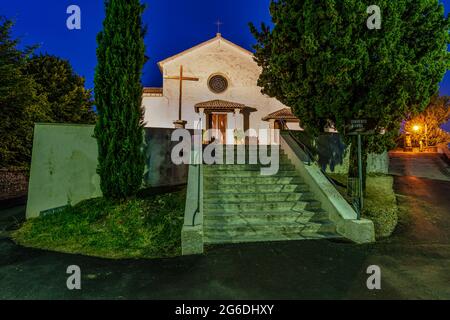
(219, 105)
(283, 114)
(153, 92)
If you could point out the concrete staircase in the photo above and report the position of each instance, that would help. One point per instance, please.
(241, 205)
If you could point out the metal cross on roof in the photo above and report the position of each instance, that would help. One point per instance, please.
(218, 23)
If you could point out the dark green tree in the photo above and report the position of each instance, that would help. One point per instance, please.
(118, 96)
(21, 103)
(70, 101)
(321, 59)
(35, 89)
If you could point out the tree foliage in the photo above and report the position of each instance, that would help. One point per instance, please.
(69, 100)
(118, 96)
(322, 60)
(428, 123)
(21, 104)
(34, 89)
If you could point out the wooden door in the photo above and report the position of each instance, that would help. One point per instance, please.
(219, 126)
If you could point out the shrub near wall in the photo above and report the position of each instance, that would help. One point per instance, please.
(381, 205)
(380, 202)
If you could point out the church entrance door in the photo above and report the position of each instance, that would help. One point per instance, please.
(219, 126)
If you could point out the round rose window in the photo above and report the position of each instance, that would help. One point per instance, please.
(218, 83)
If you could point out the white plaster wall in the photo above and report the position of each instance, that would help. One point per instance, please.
(294, 126)
(157, 112)
(216, 57)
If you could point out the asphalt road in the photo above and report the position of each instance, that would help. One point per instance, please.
(422, 165)
(414, 263)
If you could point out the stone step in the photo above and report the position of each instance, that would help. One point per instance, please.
(256, 197)
(218, 239)
(253, 152)
(263, 180)
(243, 167)
(268, 232)
(247, 148)
(256, 153)
(273, 206)
(267, 229)
(248, 173)
(263, 188)
(236, 161)
(304, 216)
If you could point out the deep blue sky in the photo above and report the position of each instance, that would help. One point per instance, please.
(174, 25)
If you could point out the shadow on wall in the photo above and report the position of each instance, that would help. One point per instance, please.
(160, 170)
(328, 149)
(332, 156)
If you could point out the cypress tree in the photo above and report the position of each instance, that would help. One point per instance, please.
(118, 97)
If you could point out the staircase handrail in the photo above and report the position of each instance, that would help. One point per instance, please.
(310, 155)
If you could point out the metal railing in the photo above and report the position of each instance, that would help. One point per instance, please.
(309, 154)
(355, 202)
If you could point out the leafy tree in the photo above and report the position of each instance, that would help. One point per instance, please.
(21, 103)
(42, 88)
(35, 89)
(70, 101)
(426, 126)
(118, 96)
(322, 60)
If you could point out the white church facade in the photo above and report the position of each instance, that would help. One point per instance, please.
(219, 92)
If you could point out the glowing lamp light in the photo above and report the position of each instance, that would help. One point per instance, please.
(416, 128)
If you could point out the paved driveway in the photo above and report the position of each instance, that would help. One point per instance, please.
(422, 165)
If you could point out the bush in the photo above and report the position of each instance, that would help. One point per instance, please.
(381, 205)
(380, 202)
(147, 227)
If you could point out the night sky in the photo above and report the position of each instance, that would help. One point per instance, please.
(173, 26)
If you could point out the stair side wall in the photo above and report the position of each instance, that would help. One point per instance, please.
(341, 213)
(192, 233)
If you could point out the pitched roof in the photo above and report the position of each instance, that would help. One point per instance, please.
(219, 105)
(153, 92)
(283, 114)
(217, 38)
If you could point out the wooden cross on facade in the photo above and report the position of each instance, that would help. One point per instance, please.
(181, 123)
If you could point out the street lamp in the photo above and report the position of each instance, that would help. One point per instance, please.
(417, 128)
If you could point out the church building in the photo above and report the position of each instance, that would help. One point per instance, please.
(214, 86)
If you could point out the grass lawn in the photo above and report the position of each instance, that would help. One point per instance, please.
(145, 227)
(380, 202)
